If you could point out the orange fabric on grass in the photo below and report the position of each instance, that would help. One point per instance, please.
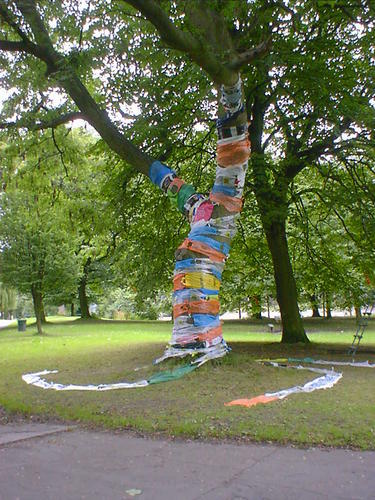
(230, 203)
(233, 153)
(253, 401)
(197, 246)
(196, 307)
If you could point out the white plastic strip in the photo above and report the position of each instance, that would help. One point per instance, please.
(327, 381)
(359, 364)
(37, 380)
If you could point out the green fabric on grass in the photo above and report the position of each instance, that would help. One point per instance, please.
(167, 375)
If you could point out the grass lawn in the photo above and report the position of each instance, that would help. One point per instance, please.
(106, 351)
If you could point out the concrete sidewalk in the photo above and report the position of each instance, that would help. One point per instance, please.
(53, 462)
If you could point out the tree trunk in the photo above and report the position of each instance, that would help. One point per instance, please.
(293, 330)
(273, 207)
(82, 291)
(329, 312)
(201, 257)
(314, 306)
(72, 309)
(43, 315)
(256, 311)
(82, 294)
(38, 308)
(239, 310)
(358, 312)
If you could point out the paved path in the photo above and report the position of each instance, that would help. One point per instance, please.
(52, 462)
(6, 322)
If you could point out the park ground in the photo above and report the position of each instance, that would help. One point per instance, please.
(193, 406)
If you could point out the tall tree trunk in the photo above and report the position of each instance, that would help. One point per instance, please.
(72, 309)
(43, 315)
(201, 257)
(314, 306)
(293, 330)
(82, 291)
(272, 203)
(256, 311)
(38, 308)
(83, 301)
(328, 312)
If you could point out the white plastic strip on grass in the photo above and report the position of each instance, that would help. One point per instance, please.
(37, 380)
(327, 381)
(357, 364)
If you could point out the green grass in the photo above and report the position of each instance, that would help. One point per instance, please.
(105, 351)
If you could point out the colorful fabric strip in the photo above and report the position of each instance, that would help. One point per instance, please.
(184, 193)
(195, 280)
(220, 188)
(199, 306)
(222, 122)
(163, 376)
(187, 265)
(190, 294)
(226, 133)
(326, 381)
(158, 171)
(230, 203)
(233, 153)
(359, 364)
(220, 246)
(202, 248)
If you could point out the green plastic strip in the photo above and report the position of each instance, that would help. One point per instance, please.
(183, 195)
(168, 375)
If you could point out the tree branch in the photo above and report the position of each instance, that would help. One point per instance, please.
(203, 53)
(66, 77)
(43, 124)
(17, 46)
(199, 52)
(306, 156)
(172, 36)
(250, 55)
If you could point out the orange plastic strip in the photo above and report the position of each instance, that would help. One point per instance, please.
(233, 153)
(231, 203)
(198, 306)
(253, 401)
(197, 246)
(176, 182)
(177, 281)
(211, 334)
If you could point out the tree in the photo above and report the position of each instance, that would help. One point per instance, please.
(8, 301)
(37, 247)
(331, 220)
(295, 116)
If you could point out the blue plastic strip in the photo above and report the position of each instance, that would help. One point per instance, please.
(220, 188)
(190, 263)
(158, 171)
(216, 245)
(203, 230)
(188, 293)
(220, 122)
(203, 320)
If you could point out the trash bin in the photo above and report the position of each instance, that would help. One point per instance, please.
(22, 325)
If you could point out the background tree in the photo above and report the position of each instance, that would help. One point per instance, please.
(37, 247)
(8, 301)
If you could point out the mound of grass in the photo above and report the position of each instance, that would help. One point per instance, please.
(106, 351)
